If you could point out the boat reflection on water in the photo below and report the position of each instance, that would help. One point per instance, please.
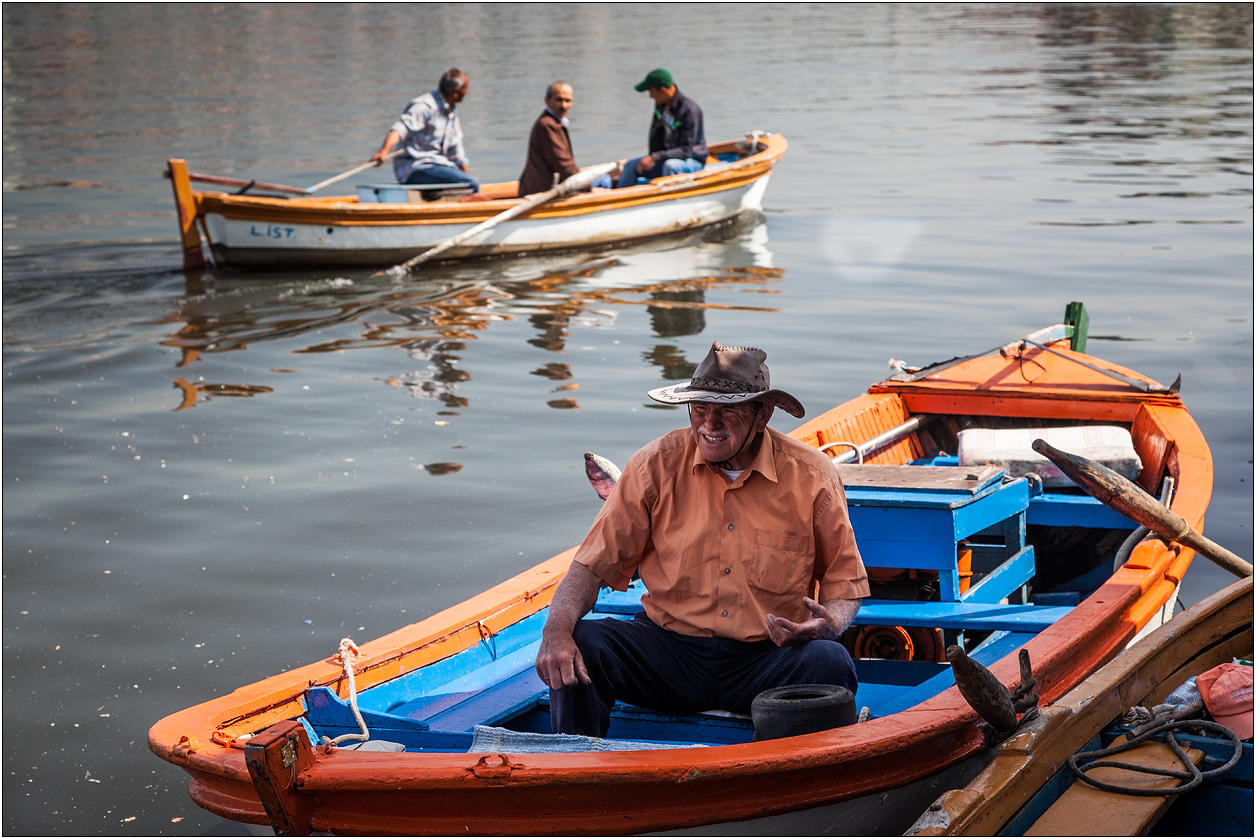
(432, 316)
(195, 392)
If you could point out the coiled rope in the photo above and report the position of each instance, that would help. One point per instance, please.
(349, 653)
(1193, 776)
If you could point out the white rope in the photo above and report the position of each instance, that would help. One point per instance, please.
(348, 653)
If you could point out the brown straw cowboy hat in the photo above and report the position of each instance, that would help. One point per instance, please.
(729, 375)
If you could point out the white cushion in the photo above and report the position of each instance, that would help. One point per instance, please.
(1011, 448)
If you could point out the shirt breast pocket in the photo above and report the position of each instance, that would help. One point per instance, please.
(782, 563)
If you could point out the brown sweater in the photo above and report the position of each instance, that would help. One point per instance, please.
(549, 151)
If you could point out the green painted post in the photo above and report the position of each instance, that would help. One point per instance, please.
(1076, 318)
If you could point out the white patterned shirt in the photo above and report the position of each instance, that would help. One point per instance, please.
(430, 134)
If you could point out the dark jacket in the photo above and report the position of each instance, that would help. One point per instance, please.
(678, 131)
(549, 152)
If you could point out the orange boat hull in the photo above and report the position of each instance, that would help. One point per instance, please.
(353, 792)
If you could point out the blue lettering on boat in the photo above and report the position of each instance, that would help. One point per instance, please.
(272, 232)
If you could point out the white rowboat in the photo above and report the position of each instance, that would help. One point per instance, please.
(266, 231)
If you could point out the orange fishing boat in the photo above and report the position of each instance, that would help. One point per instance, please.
(385, 224)
(969, 542)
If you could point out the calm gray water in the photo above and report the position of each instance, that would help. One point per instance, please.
(208, 482)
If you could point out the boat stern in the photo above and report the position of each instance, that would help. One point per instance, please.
(189, 212)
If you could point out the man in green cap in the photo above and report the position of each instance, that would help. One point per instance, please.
(677, 139)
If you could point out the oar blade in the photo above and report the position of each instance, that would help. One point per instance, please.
(1116, 491)
(1131, 501)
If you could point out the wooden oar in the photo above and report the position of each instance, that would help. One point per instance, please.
(581, 180)
(369, 164)
(241, 182)
(1129, 499)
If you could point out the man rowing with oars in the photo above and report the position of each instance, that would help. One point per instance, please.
(734, 529)
(431, 137)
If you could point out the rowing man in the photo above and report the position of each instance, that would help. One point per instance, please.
(741, 537)
(431, 137)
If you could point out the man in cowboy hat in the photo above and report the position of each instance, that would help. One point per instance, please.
(734, 529)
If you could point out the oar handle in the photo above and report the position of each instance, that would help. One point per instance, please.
(1131, 501)
(222, 180)
(368, 165)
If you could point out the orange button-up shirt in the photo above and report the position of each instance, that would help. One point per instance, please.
(717, 557)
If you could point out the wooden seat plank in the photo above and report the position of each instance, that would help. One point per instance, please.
(488, 707)
(1060, 510)
(963, 615)
(1083, 810)
(438, 187)
(969, 481)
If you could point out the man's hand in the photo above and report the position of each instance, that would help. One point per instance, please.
(391, 140)
(827, 622)
(559, 663)
(646, 163)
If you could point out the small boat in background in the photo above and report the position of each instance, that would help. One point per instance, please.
(966, 544)
(1024, 791)
(385, 224)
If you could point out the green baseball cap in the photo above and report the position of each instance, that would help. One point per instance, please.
(655, 78)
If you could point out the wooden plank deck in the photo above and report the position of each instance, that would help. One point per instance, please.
(1086, 811)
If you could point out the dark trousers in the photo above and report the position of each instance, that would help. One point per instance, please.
(637, 662)
(441, 175)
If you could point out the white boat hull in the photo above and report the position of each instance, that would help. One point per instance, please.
(254, 243)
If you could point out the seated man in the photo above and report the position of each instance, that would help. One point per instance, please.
(731, 526)
(677, 138)
(550, 160)
(431, 136)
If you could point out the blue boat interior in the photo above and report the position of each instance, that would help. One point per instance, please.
(955, 556)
